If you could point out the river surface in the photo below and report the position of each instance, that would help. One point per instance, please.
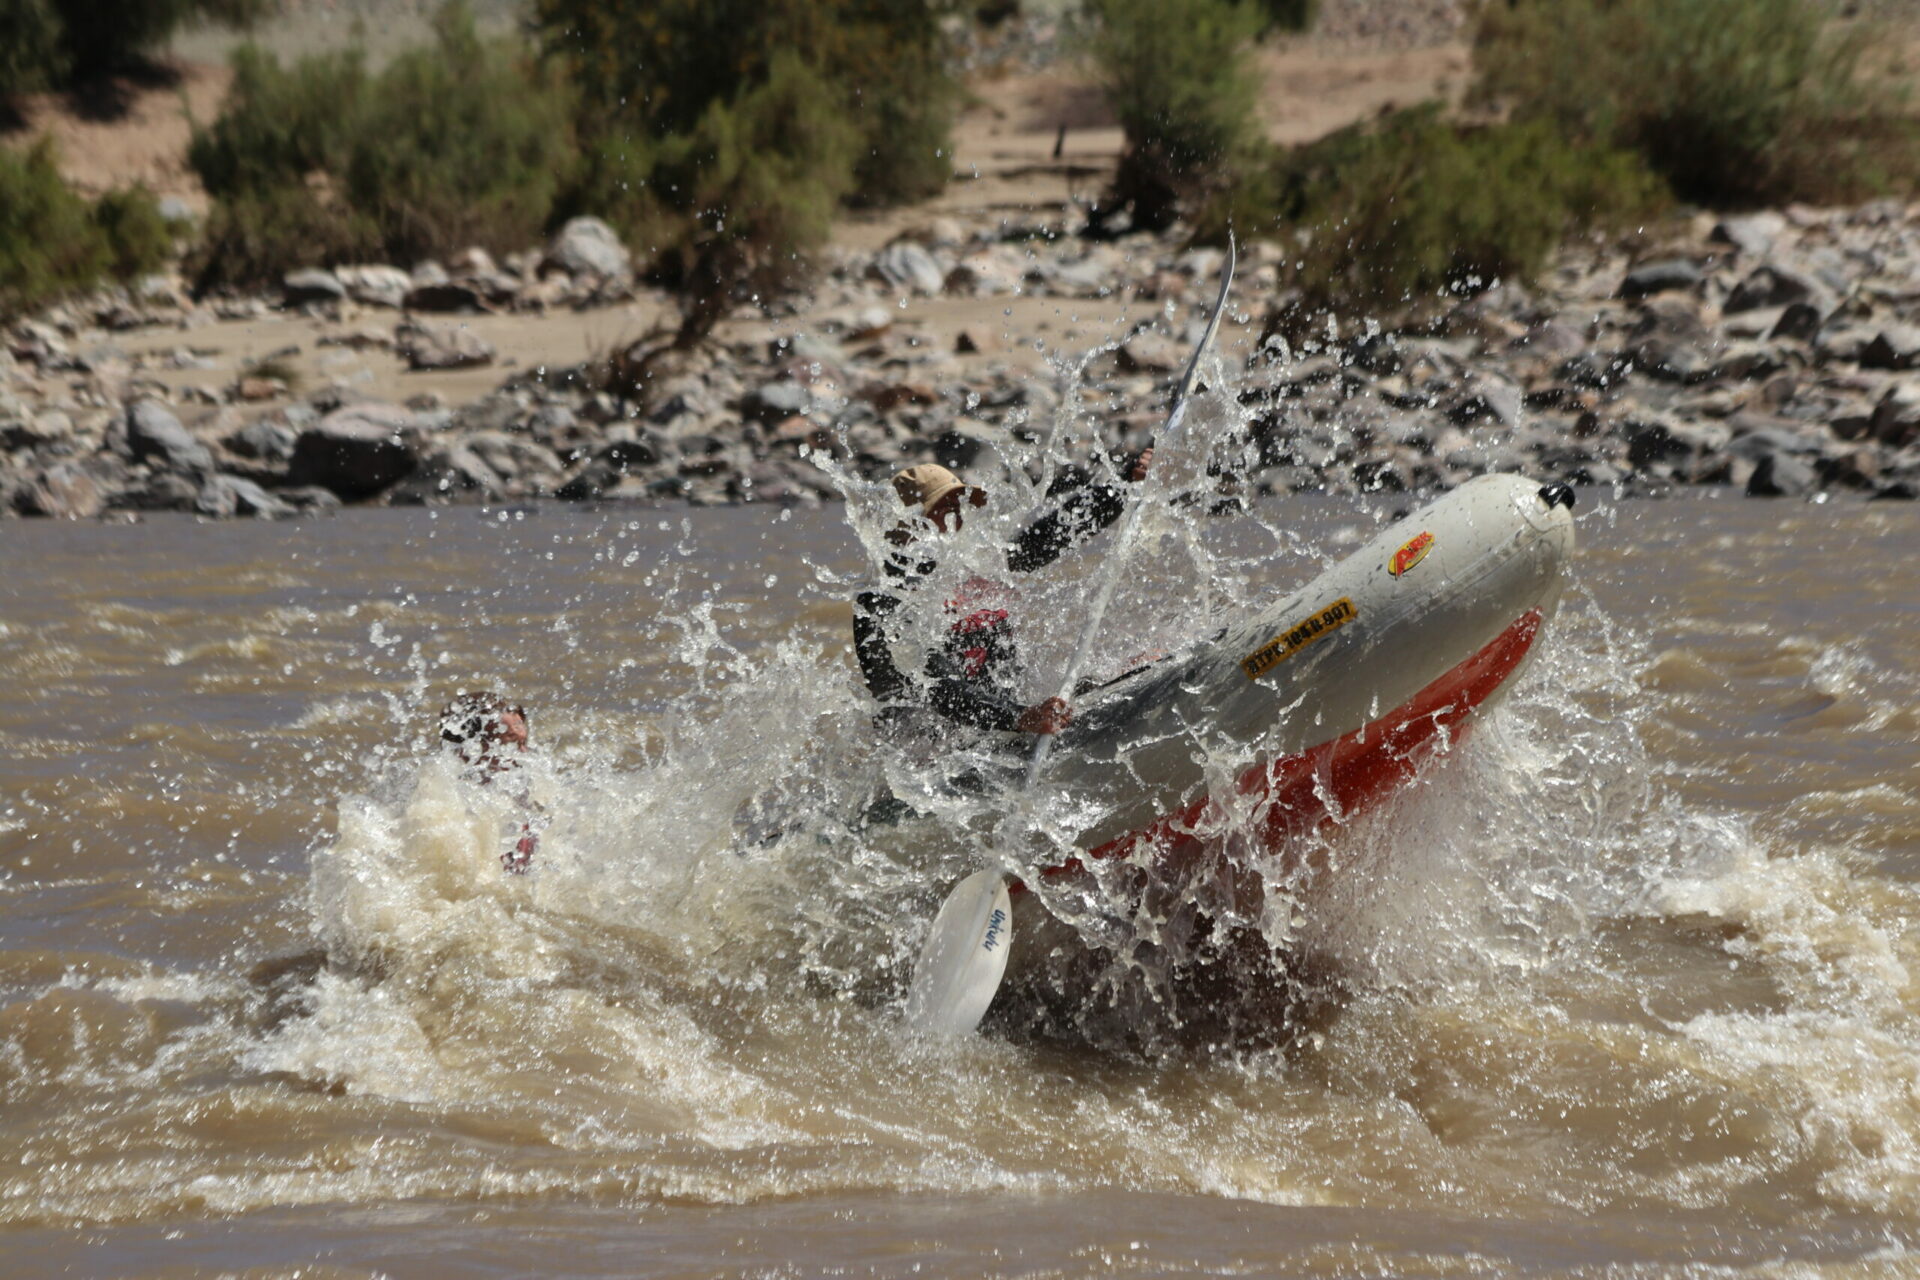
(1629, 984)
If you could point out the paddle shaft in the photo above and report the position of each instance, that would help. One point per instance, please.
(1116, 561)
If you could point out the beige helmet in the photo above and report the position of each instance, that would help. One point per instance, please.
(925, 485)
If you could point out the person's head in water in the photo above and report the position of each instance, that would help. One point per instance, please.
(483, 729)
(938, 494)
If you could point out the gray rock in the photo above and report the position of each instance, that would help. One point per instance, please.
(776, 400)
(1659, 277)
(588, 246)
(1799, 322)
(1782, 475)
(263, 441)
(1894, 347)
(1777, 286)
(447, 297)
(904, 265)
(1753, 234)
(63, 491)
(1487, 399)
(1843, 343)
(1896, 417)
(167, 491)
(1150, 352)
(148, 432)
(224, 496)
(430, 347)
(356, 452)
(300, 287)
(378, 286)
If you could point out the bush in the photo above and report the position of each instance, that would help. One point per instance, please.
(48, 240)
(461, 144)
(691, 154)
(758, 179)
(651, 69)
(1290, 15)
(1179, 74)
(53, 242)
(1734, 102)
(1413, 207)
(30, 49)
(139, 240)
(44, 45)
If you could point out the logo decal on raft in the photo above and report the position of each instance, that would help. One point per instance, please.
(1284, 646)
(1410, 554)
(996, 930)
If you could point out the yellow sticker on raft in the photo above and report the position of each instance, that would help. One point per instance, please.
(1284, 646)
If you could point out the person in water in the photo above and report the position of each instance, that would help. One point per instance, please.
(970, 676)
(489, 735)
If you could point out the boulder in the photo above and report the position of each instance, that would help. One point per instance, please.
(225, 496)
(263, 441)
(298, 288)
(1777, 286)
(1798, 322)
(588, 246)
(1659, 277)
(1753, 234)
(431, 347)
(1894, 347)
(907, 267)
(148, 432)
(1151, 352)
(356, 452)
(1487, 400)
(447, 297)
(1896, 417)
(377, 286)
(1782, 475)
(63, 491)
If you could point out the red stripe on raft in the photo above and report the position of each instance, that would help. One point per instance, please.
(1295, 794)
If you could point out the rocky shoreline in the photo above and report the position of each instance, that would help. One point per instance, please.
(1774, 353)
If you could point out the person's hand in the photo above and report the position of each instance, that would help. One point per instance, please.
(1138, 471)
(1050, 716)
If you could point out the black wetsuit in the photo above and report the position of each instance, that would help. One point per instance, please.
(969, 679)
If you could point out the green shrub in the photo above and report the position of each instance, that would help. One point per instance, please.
(723, 133)
(1413, 207)
(1290, 15)
(44, 44)
(758, 179)
(464, 143)
(1179, 74)
(52, 241)
(30, 52)
(139, 241)
(649, 70)
(49, 242)
(1734, 102)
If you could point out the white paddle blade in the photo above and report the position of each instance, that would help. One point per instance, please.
(964, 958)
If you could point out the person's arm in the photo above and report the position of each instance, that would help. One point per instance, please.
(961, 693)
(1086, 510)
(885, 681)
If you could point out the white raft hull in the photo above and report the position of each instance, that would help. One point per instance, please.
(1331, 697)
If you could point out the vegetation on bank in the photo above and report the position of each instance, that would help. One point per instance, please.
(721, 138)
(53, 240)
(1413, 206)
(57, 44)
(465, 142)
(1592, 114)
(1732, 102)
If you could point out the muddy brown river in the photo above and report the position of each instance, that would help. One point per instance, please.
(1628, 985)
